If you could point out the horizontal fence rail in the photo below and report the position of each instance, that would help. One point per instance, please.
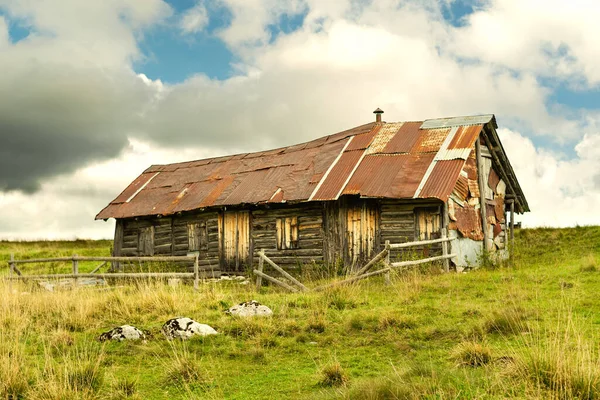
(16, 274)
(115, 259)
(419, 243)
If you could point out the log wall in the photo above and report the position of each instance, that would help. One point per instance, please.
(315, 233)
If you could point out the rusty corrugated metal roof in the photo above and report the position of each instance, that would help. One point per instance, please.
(382, 160)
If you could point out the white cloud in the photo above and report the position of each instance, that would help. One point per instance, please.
(74, 79)
(551, 37)
(66, 205)
(559, 192)
(194, 20)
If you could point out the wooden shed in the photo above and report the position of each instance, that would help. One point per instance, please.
(334, 199)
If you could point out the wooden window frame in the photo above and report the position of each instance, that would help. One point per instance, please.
(287, 233)
(433, 234)
(197, 236)
(145, 246)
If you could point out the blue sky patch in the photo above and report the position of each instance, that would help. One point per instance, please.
(456, 10)
(17, 29)
(173, 56)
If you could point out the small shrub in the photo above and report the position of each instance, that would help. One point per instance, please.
(125, 387)
(390, 321)
(333, 375)
(380, 389)
(472, 354)
(13, 378)
(184, 370)
(589, 264)
(316, 325)
(507, 321)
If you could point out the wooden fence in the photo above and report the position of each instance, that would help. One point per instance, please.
(363, 273)
(16, 273)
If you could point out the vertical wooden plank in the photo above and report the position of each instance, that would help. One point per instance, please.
(279, 233)
(75, 270)
(192, 237)
(11, 270)
(386, 276)
(118, 243)
(294, 228)
(482, 205)
(445, 223)
(221, 238)
(196, 274)
(236, 247)
(512, 229)
(261, 264)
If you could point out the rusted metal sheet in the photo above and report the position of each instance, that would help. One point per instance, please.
(461, 190)
(473, 188)
(468, 222)
(382, 160)
(465, 137)
(404, 140)
(458, 121)
(134, 187)
(442, 179)
(363, 140)
(338, 176)
(386, 133)
(499, 209)
(497, 229)
(493, 179)
(375, 175)
(430, 140)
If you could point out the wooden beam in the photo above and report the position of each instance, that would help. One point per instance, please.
(353, 279)
(509, 178)
(275, 281)
(122, 259)
(111, 275)
(445, 223)
(388, 280)
(196, 273)
(482, 205)
(374, 261)
(418, 243)
(261, 264)
(282, 272)
(423, 261)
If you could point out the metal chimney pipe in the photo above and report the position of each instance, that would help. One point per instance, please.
(378, 113)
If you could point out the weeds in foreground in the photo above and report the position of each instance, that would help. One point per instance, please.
(332, 375)
(472, 354)
(183, 368)
(564, 364)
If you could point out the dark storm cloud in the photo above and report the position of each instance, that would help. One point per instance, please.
(54, 120)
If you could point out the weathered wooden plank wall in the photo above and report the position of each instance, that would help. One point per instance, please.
(351, 230)
(308, 231)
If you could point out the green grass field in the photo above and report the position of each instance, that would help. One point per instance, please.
(529, 331)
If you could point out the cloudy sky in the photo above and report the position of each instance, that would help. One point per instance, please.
(93, 92)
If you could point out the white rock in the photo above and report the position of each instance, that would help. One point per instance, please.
(123, 332)
(250, 309)
(184, 328)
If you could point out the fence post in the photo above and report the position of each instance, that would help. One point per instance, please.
(446, 222)
(261, 264)
(387, 260)
(196, 273)
(11, 268)
(75, 269)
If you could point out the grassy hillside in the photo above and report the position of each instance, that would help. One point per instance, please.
(530, 331)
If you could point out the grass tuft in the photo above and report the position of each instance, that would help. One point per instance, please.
(333, 375)
(472, 354)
